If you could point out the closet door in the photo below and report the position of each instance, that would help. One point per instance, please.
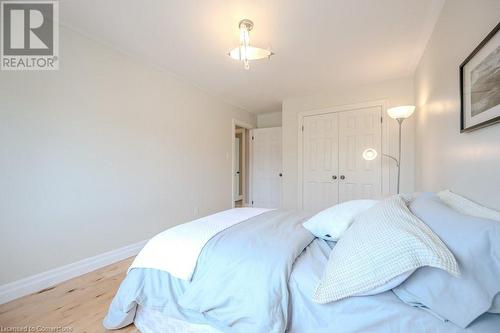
(320, 161)
(358, 130)
(266, 167)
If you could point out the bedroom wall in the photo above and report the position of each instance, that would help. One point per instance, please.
(103, 153)
(467, 163)
(395, 92)
(272, 119)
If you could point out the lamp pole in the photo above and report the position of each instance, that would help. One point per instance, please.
(400, 113)
(397, 160)
(400, 122)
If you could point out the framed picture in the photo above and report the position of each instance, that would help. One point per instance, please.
(480, 84)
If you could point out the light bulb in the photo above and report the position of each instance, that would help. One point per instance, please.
(370, 154)
(244, 36)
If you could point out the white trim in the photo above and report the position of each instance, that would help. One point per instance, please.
(386, 171)
(236, 122)
(50, 278)
(243, 169)
(250, 167)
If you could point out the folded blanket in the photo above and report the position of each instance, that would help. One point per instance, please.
(176, 250)
(240, 283)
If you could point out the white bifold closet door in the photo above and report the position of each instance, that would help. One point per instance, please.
(266, 166)
(333, 167)
(320, 161)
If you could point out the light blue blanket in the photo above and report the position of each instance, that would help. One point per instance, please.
(240, 283)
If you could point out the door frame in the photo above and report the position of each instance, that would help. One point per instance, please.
(248, 126)
(388, 172)
(242, 157)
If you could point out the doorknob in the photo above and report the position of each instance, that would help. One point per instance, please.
(342, 177)
(334, 177)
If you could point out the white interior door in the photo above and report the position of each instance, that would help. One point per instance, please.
(237, 171)
(358, 130)
(320, 161)
(266, 167)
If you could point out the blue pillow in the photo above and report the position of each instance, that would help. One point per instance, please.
(495, 305)
(475, 242)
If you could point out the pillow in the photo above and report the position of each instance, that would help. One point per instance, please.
(467, 207)
(331, 223)
(384, 242)
(475, 242)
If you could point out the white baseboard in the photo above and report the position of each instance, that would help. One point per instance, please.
(35, 283)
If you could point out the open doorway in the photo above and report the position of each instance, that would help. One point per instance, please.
(240, 168)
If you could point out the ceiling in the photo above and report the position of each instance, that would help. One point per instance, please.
(319, 45)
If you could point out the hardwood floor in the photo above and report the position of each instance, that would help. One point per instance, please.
(77, 305)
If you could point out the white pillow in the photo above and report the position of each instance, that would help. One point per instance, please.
(467, 207)
(383, 243)
(331, 223)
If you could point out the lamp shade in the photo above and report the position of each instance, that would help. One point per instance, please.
(401, 112)
(251, 53)
(370, 154)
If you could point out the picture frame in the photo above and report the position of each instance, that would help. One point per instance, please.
(479, 84)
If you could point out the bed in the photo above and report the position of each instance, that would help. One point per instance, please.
(259, 275)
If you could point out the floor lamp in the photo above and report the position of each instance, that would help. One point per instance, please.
(400, 113)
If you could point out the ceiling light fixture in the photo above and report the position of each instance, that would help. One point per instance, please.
(245, 52)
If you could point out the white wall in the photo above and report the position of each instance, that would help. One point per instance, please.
(272, 119)
(467, 163)
(396, 92)
(103, 153)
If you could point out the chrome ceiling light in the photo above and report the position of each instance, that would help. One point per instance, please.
(245, 52)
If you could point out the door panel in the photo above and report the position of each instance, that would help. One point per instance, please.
(358, 130)
(320, 162)
(266, 167)
(332, 147)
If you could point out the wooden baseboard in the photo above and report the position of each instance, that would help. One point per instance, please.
(47, 279)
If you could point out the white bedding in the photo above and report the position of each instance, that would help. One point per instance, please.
(177, 249)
